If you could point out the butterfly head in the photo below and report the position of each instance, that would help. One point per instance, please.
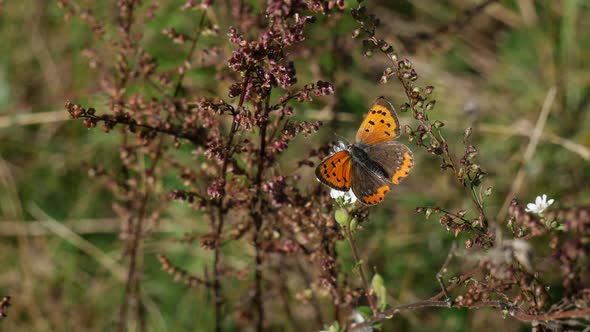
(342, 145)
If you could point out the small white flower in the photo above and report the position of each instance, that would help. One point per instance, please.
(347, 196)
(541, 203)
(358, 319)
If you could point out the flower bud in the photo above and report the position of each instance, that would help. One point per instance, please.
(342, 217)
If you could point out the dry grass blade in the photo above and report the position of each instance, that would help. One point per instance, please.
(76, 240)
(530, 151)
(25, 119)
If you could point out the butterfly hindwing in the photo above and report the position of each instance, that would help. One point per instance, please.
(395, 158)
(367, 186)
(336, 171)
(381, 124)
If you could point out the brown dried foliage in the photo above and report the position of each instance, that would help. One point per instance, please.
(234, 183)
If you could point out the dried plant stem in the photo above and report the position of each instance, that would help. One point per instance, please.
(21, 118)
(172, 130)
(530, 151)
(132, 286)
(256, 213)
(61, 230)
(443, 270)
(191, 52)
(359, 264)
(217, 296)
(506, 307)
(438, 139)
(435, 301)
(565, 143)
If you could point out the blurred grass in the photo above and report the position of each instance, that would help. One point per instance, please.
(496, 71)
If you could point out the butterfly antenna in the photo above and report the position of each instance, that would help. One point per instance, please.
(341, 139)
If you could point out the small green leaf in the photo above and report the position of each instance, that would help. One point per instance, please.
(378, 286)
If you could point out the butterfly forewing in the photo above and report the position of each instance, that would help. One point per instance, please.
(380, 124)
(335, 171)
(367, 186)
(395, 158)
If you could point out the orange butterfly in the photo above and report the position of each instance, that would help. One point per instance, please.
(374, 163)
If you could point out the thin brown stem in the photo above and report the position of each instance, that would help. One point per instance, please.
(191, 52)
(443, 270)
(256, 213)
(221, 209)
(132, 285)
(359, 265)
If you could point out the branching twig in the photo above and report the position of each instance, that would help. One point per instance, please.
(443, 270)
(189, 56)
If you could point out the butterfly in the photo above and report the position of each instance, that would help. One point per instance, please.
(373, 164)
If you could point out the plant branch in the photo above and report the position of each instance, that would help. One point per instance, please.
(217, 296)
(132, 283)
(358, 263)
(506, 307)
(256, 213)
(189, 56)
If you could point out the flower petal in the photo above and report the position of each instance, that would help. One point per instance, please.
(352, 197)
(550, 202)
(336, 193)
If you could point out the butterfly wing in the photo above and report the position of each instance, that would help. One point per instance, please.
(367, 186)
(336, 171)
(395, 158)
(380, 124)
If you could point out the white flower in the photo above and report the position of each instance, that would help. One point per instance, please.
(347, 196)
(358, 319)
(541, 203)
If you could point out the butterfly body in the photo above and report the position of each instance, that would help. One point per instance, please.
(372, 165)
(360, 157)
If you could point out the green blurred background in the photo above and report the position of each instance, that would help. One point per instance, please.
(59, 250)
